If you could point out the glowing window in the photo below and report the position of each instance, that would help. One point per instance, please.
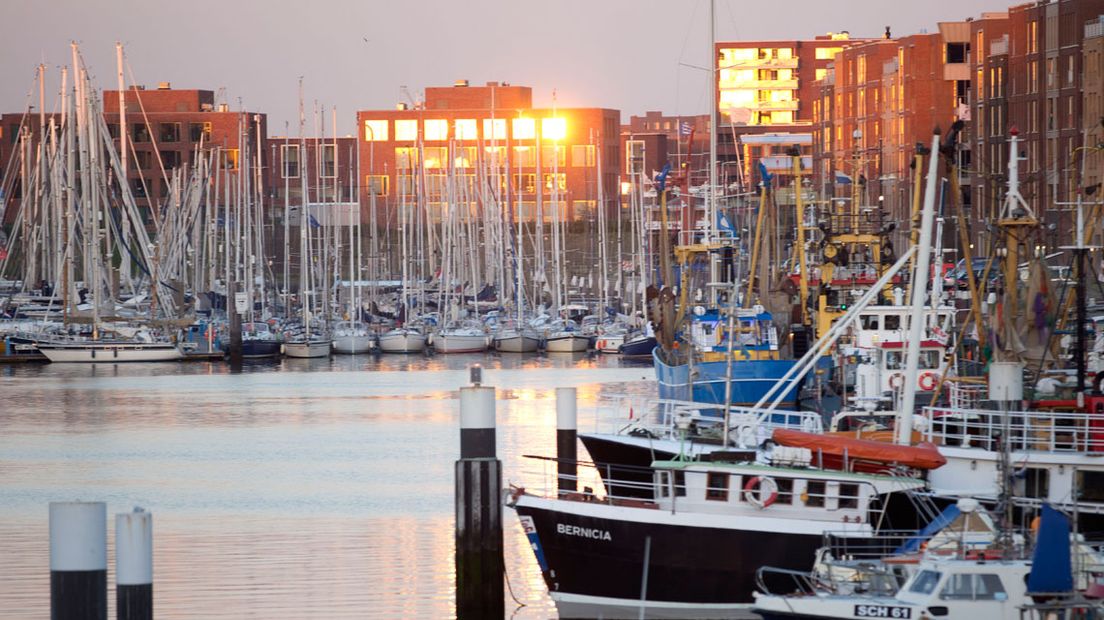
(827, 53)
(435, 157)
(555, 182)
(377, 184)
(436, 129)
(525, 156)
(406, 157)
(820, 73)
(375, 131)
(464, 156)
(554, 155)
(553, 128)
(496, 155)
(406, 130)
(525, 129)
(466, 129)
(494, 129)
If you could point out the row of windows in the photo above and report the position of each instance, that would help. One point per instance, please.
(720, 486)
(439, 129)
(166, 132)
(326, 165)
(440, 157)
(465, 184)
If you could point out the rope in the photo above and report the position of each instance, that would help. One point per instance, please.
(510, 588)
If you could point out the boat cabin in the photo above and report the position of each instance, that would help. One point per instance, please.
(756, 336)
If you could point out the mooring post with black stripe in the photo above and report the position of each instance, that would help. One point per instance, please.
(566, 445)
(479, 564)
(78, 561)
(134, 565)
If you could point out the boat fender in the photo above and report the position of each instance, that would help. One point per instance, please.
(927, 381)
(896, 380)
(760, 491)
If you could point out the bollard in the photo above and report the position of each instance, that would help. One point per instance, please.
(78, 561)
(566, 444)
(134, 565)
(232, 311)
(479, 563)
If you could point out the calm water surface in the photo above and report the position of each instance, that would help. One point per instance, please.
(298, 489)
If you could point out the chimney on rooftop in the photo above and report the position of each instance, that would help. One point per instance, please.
(460, 83)
(164, 86)
(224, 107)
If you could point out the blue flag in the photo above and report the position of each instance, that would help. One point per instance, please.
(313, 222)
(842, 179)
(661, 178)
(764, 176)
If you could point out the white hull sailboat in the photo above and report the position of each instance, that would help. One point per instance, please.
(402, 340)
(307, 348)
(107, 351)
(460, 341)
(566, 343)
(511, 341)
(353, 339)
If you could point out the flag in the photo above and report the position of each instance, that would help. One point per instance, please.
(661, 178)
(764, 176)
(842, 179)
(724, 224)
(685, 128)
(313, 222)
(3, 253)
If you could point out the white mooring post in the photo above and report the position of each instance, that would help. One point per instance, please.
(134, 565)
(479, 564)
(78, 561)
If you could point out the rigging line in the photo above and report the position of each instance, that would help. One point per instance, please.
(682, 53)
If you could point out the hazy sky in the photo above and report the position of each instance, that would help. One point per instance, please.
(359, 54)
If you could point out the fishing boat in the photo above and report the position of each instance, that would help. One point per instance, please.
(694, 549)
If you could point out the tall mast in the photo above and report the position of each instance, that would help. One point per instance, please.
(711, 207)
(124, 264)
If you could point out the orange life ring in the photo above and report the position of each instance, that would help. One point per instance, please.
(927, 381)
(896, 380)
(755, 488)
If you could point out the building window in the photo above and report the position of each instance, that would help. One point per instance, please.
(199, 132)
(170, 132)
(553, 156)
(494, 129)
(140, 133)
(375, 131)
(525, 156)
(555, 182)
(138, 187)
(406, 130)
(553, 128)
(327, 161)
(584, 209)
(827, 53)
(464, 156)
(436, 184)
(378, 184)
(406, 183)
(143, 159)
(405, 157)
(496, 155)
(435, 157)
(716, 486)
(466, 129)
(582, 155)
(112, 130)
(228, 159)
(170, 159)
(436, 129)
(289, 155)
(524, 129)
(525, 183)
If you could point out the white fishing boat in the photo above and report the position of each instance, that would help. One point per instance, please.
(352, 338)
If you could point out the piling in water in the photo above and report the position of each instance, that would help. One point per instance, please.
(479, 563)
(566, 444)
(134, 565)
(78, 561)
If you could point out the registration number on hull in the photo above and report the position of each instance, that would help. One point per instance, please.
(882, 611)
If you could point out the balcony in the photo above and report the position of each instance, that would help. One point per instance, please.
(767, 106)
(758, 84)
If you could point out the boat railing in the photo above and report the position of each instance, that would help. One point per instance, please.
(1038, 431)
(748, 427)
(632, 486)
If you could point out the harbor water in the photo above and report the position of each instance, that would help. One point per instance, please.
(297, 489)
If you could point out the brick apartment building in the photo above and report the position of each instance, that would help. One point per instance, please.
(165, 128)
(546, 160)
(329, 166)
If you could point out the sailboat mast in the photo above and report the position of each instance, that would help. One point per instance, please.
(711, 208)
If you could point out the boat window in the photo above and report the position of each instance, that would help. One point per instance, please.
(785, 490)
(814, 493)
(869, 321)
(972, 587)
(925, 582)
(929, 359)
(892, 321)
(664, 484)
(1090, 485)
(716, 486)
(849, 495)
(1036, 483)
(893, 360)
(680, 484)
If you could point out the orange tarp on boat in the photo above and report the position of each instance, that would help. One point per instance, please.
(832, 448)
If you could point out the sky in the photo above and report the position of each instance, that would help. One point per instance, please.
(630, 55)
